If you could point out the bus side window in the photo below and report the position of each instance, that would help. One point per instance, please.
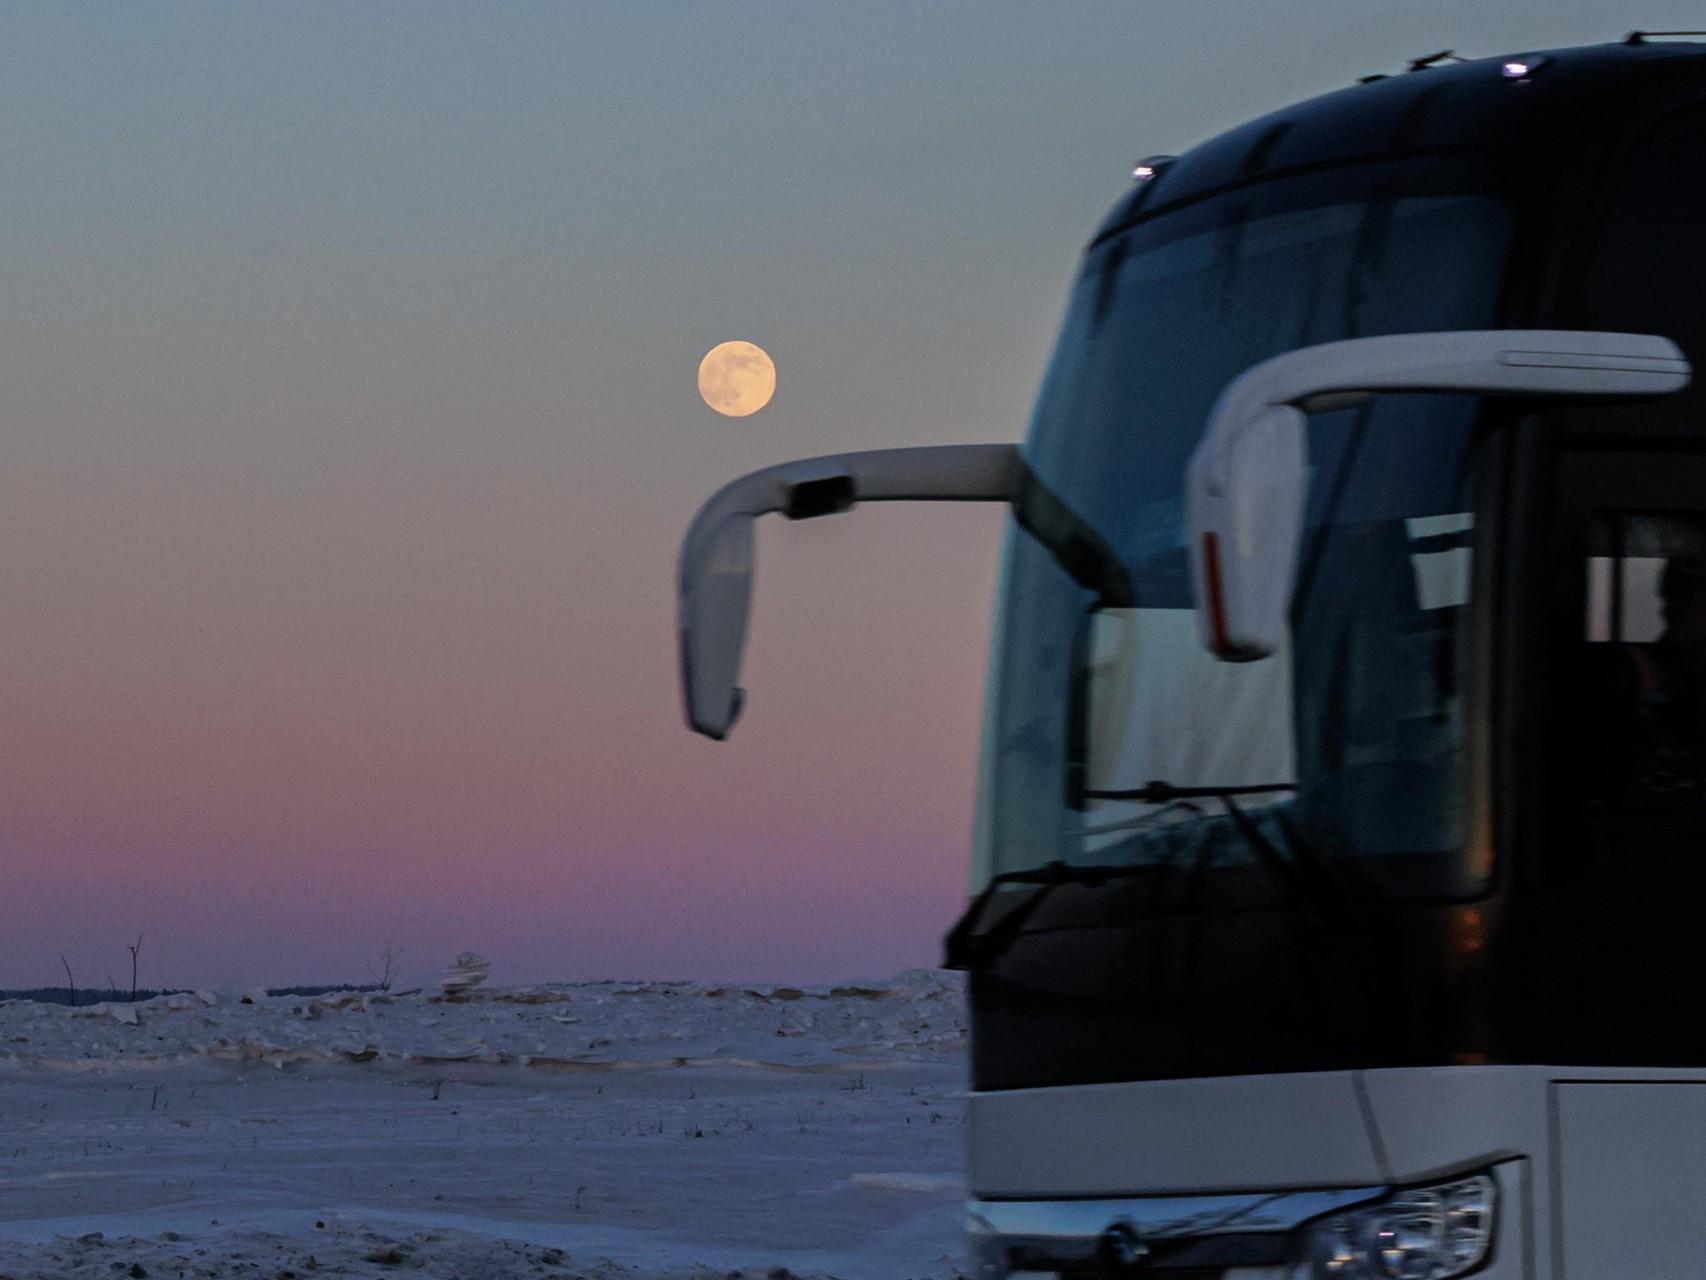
(1644, 675)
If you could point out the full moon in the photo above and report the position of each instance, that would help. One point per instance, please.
(737, 378)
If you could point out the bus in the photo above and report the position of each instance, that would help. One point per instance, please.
(1339, 861)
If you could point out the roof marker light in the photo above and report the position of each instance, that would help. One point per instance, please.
(1148, 167)
(1521, 69)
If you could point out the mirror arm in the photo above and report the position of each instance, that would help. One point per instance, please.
(1535, 362)
(835, 483)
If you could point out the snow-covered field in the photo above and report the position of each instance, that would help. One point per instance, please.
(624, 1131)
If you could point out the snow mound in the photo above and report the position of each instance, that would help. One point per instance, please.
(573, 1027)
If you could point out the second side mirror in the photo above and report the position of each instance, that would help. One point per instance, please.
(1247, 478)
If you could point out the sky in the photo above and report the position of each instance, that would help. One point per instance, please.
(347, 361)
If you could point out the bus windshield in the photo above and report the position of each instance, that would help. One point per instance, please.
(1357, 724)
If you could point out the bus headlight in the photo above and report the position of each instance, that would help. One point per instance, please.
(1420, 1233)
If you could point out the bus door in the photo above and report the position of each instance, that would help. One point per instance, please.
(1607, 891)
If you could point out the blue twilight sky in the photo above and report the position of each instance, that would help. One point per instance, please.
(346, 364)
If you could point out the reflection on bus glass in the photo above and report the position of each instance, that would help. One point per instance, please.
(1349, 739)
(1646, 634)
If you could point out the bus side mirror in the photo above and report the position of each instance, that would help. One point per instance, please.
(715, 582)
(712, 619)
(1246, 482)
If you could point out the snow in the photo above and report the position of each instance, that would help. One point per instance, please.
(617, 1131)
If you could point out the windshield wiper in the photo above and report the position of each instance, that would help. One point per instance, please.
(1303, 871)
(966, 948)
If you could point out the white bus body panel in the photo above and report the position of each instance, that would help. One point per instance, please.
(1225, 1133)
(1629, 1179)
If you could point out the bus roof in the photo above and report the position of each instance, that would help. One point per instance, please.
(1555, 114)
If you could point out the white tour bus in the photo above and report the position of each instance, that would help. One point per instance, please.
(1340, 860)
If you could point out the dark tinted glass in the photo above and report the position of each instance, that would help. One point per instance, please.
(1363, 712)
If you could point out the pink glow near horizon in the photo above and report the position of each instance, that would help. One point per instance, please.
(269, 750)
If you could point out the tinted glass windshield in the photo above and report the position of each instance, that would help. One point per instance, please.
(1359, 718)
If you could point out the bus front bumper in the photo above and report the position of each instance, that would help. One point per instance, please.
(1243, 1236)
